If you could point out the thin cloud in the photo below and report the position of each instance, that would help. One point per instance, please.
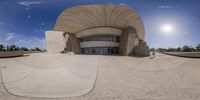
(29, 16)
(1, 23)
(27, 8)
(10, 36)
(123, 4)
(29, 3)
(165, 7)
(182, 33)
(22, 41)
(31, 42)
(5, 3)
(5, 24)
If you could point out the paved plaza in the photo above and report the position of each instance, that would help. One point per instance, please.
(43, 76)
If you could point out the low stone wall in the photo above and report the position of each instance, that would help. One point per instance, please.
(184, 54)
(4, 54)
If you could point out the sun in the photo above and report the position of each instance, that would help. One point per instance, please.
(167, 28)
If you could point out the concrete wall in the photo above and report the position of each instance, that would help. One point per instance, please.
(184, 54)
(4, 54)
(55, 41)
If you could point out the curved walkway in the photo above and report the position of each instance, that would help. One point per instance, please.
(50, 76)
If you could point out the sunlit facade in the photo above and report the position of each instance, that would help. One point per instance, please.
(98, 29)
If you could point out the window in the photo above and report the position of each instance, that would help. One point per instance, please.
(101, 50)
(100, 38)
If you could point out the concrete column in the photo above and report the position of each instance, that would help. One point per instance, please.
(73, 44)
(128, 41)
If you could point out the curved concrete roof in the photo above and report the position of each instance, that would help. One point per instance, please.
(99, 31)
(76, 19)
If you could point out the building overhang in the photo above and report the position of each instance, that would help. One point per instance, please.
(80, 18)
(99, 31)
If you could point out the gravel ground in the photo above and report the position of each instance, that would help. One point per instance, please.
(130, 78)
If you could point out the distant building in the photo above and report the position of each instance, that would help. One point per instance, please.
(98, 29)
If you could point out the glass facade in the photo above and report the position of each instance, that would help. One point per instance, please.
(100, 50)
(101, 38)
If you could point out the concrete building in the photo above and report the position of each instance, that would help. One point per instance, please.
(98, 29)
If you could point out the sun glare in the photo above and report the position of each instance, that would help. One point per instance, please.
(167, 28)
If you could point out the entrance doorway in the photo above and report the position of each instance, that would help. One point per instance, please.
(100, 50)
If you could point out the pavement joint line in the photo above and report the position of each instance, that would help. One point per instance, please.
(26, 76)
(1, 78)
(93, 85)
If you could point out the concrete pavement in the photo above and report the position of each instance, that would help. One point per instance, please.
(50, 75)
(130, 78)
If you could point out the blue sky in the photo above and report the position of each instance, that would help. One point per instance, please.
(24, 22)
